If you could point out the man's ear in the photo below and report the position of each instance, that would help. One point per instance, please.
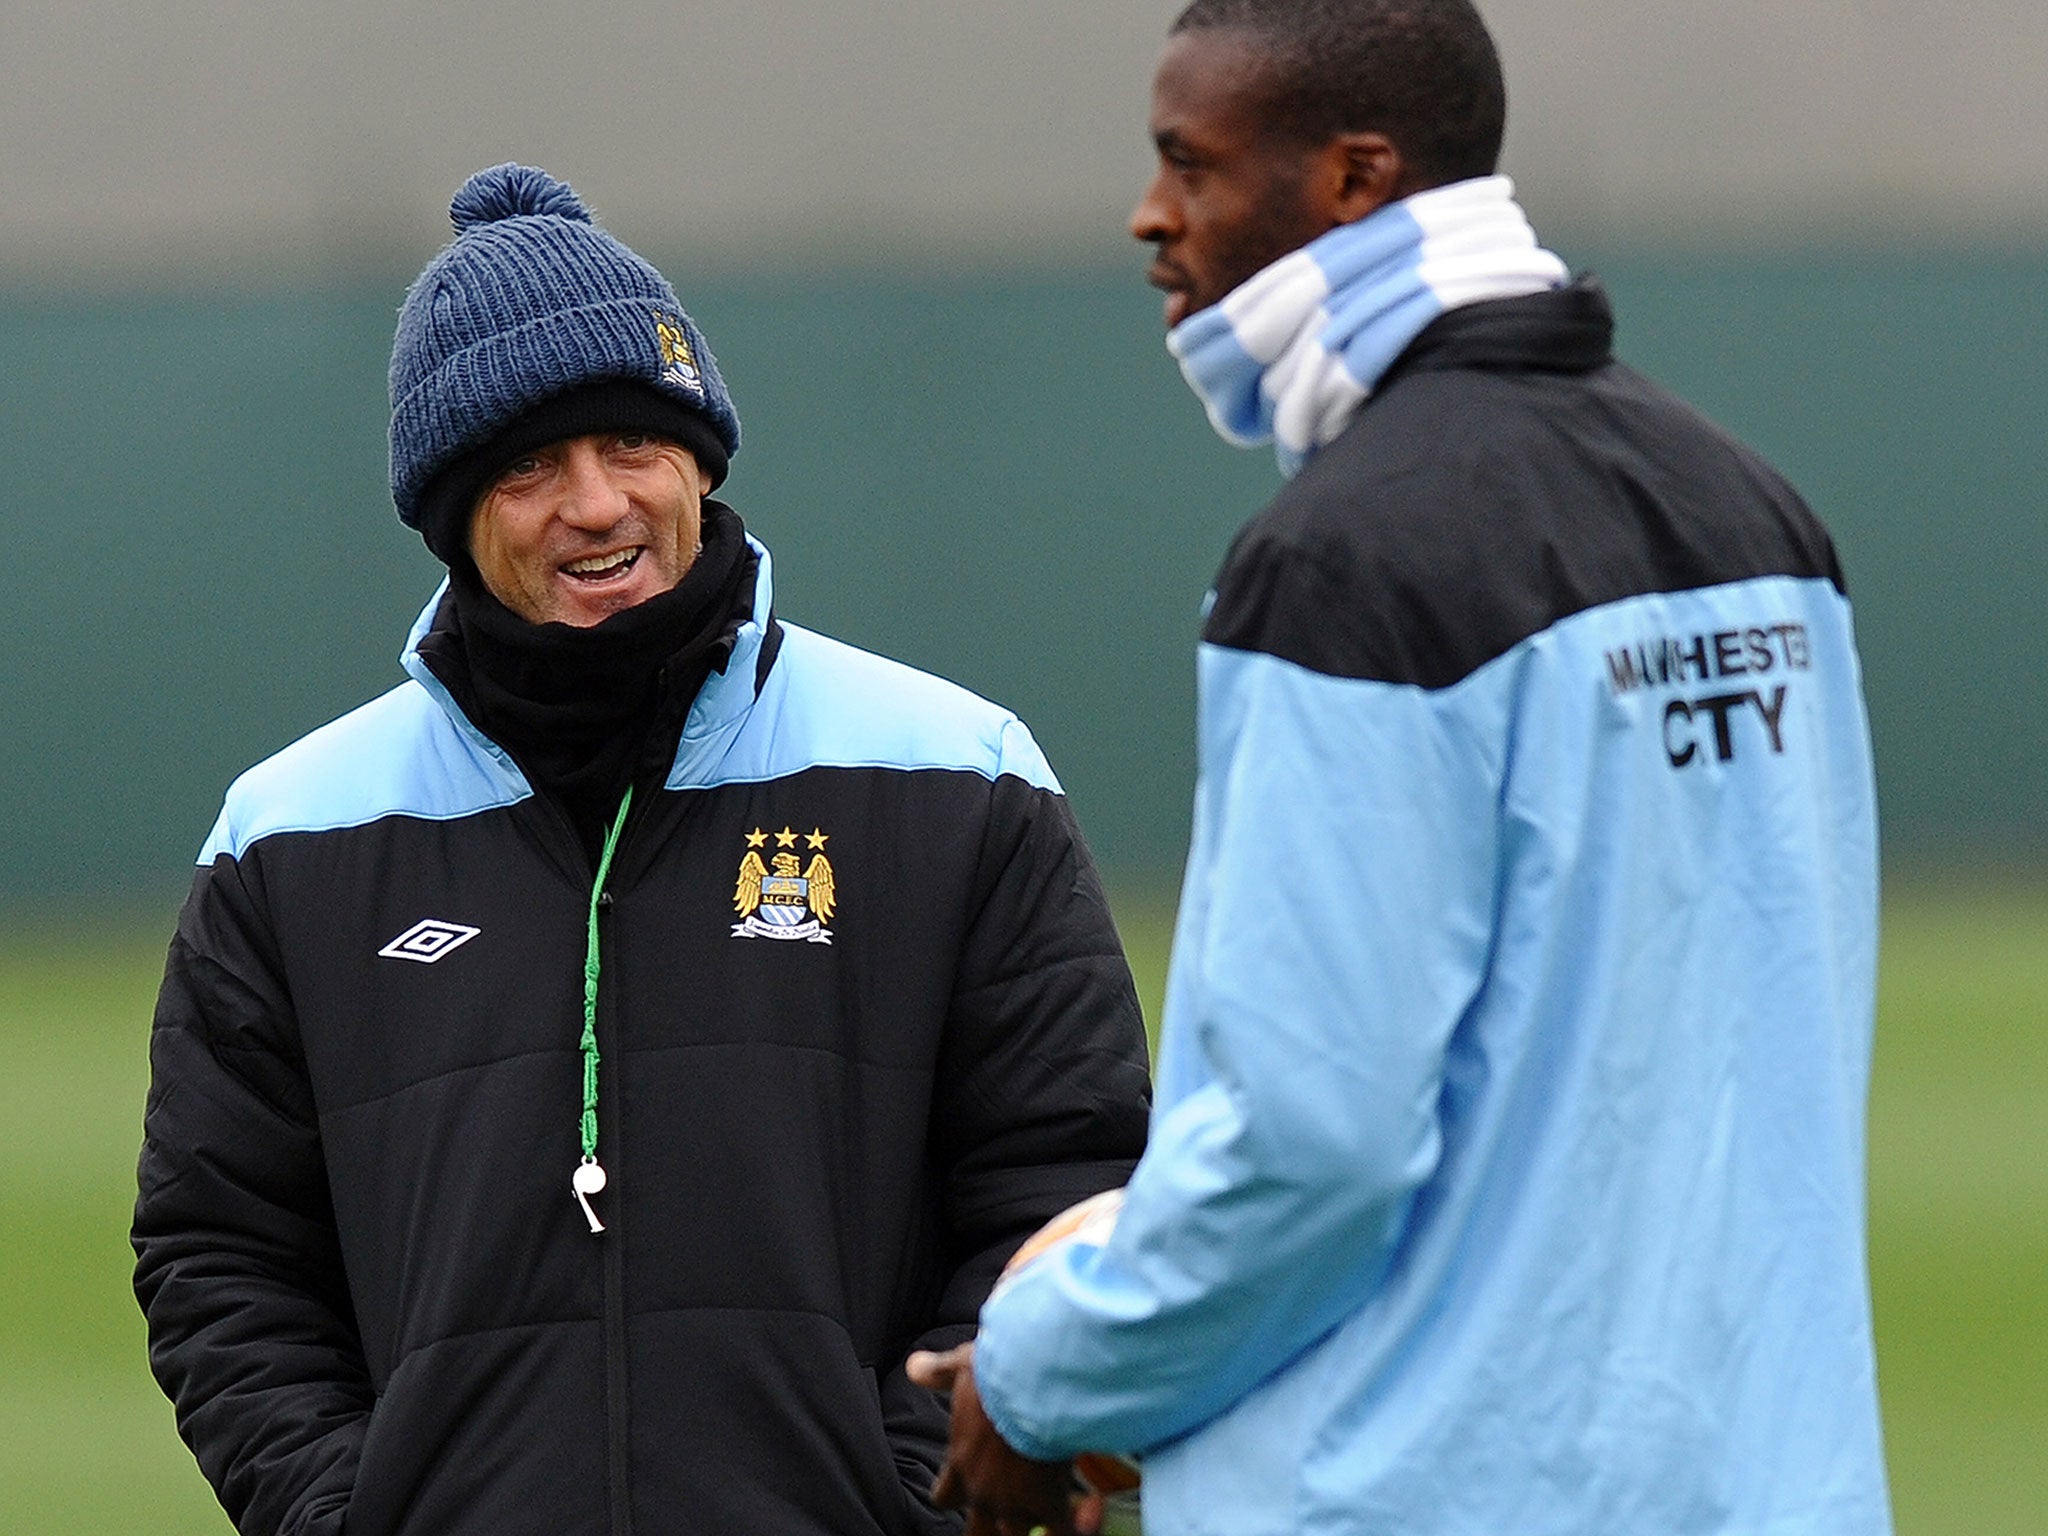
(1363, 172)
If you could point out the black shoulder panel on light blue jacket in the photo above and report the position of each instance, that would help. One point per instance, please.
(1474, 502)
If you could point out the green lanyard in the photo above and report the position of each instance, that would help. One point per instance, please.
(589, 1176)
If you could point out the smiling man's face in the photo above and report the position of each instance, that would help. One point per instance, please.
(589, 526)
(1232, 195)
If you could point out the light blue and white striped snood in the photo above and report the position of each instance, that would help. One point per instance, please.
(1291, 353)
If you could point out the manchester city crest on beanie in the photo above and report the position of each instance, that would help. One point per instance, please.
(532, 314)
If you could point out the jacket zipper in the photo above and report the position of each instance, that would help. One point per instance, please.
(601, 1048)
(617, 1439)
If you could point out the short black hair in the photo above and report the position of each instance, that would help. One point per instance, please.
(1423, 72)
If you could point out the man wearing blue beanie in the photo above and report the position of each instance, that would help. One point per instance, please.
(584, 1074)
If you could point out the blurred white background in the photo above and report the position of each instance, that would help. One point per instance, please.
(231, 134)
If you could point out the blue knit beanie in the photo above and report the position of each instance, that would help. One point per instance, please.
(533, 315)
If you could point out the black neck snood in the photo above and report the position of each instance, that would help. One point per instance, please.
(585, 711)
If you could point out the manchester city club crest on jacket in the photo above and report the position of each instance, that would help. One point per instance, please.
(782, 897)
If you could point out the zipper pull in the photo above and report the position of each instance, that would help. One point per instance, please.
(587, 1181)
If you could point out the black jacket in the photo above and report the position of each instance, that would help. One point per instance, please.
(829, 1105)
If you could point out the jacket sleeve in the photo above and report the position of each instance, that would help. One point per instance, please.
(1335, 926)
(1043, 1089)
(238, 1268)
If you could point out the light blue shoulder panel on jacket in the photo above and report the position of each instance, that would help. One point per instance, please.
(1506, 1165)
(825, 704)
(404, 754)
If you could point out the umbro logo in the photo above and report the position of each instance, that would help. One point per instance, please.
(428, 940)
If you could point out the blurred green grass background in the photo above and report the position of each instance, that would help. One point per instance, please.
(1959, 1216)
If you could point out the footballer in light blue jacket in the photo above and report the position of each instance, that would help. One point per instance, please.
(1506, 1172)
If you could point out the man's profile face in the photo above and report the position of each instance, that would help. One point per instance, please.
(588, 527)
(1232, 193)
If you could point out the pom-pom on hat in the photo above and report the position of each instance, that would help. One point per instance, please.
(530, 306)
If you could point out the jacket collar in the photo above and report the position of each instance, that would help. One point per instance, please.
(724, 701)
(417, 669)
(720, 706)
(1569, 330)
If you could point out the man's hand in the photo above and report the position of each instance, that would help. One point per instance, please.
(1003, 1492)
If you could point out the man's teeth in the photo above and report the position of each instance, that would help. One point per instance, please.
(597, 565)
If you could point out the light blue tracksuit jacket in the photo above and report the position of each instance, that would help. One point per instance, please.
(1506, 1170)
